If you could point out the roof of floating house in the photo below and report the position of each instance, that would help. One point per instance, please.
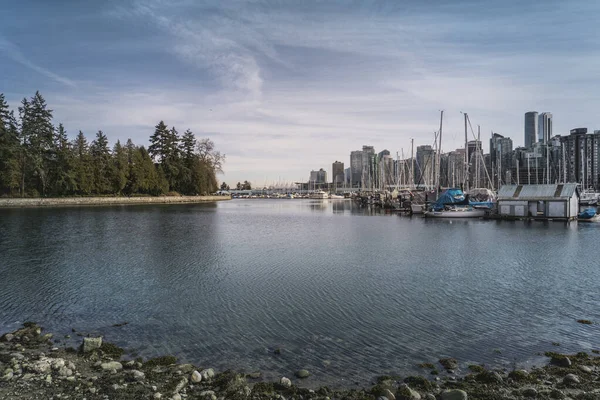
(562, 191)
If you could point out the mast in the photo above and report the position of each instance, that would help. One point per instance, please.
(439, 156)
(466, 177)
(477, 156)
(563, 163)
(412, 163)
(518, 170)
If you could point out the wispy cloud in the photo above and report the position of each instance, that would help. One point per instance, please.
(14, 53)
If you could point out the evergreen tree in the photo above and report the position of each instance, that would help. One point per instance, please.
(159, 142)
(120, 167)
(82, 170)
(62, 173)
(224, 186)
(188, 146)
(171, 162)
(101, 164)
(9, 149)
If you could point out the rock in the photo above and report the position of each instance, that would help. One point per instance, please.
(64, 371)
(186, 368)
(137, 375)
(41, 366)
(58, 363)
(454, 394)
(406, 393)
(196, 377)
(18, 356)
(254, 375)
(112, 366)
(285, 382)
(302, 374)
(429, 396)
(557, 394)
(449, 363)
(182, 383)
(7, 338)
(92, 390)
(207, 393)
(7, 376)
(561, 361)
(570, 379)
(529, 392)
(585, 369)
(389, 395)
(176, 396)
(157, 396)
(49, 379)
(489, 377)
(207, 374)
(91, 344)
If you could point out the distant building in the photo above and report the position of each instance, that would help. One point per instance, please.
(318, 177)
(337, 173)
(424, 168)
(368, 167)
(501, 149)
(455, 170)
(531, 128)
(356, 167)
(545, 127)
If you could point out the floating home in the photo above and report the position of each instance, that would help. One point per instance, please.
(559, 201)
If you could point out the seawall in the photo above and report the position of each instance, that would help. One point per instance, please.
(100, 201)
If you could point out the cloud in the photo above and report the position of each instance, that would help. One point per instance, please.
(13, 52)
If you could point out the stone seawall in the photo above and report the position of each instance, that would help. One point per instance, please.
(100, 201)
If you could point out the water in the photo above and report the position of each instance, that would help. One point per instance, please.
(344, 292)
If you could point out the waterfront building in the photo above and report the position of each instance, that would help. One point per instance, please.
(544, 127)
(337, 173)
(531, 128)
(581, 162)
(554, 201)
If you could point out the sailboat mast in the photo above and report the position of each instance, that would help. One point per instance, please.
(412, 162)
(466, 177)
(439, 156)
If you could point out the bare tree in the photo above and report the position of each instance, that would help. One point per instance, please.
(207, 154)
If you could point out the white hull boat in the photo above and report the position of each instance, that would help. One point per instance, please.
(336, 197)
(319, 195)
(458, 212)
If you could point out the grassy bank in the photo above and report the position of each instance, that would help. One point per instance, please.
(99, 201)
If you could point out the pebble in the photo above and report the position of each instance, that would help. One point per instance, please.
(389, 395)
(176, 396)
(157, 395)
(571, 378)
(138, 375)
(182, 383)
(207, 374)
(196, 377)
(7, 376)
(530, 392)
(285, 382)
(406, 393)
(454, 394)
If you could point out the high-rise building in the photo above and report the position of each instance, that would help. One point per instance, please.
(318, 177)
(501, 149)
(531, 128)
(369, 166)
(356, 165)
(424, 168)
(337, 173)
(545, 127)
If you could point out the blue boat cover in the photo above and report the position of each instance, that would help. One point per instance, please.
(588, 213)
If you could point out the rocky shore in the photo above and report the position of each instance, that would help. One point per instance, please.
(102, 201)
(31, 367)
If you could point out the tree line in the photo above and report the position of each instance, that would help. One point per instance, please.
(37, 159)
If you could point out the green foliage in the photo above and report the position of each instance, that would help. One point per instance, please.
(37, 159)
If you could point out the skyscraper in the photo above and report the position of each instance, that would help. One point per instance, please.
(356, 167)
(337, 173)
(531, 128)
(545, 127)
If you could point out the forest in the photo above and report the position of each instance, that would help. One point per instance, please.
(37, 159)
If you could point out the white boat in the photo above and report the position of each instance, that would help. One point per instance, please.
(319, 195)
(417, 208)
(588, 198)
(456, 212)
(336, 197)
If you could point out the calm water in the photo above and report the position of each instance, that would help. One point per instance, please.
(345, 293)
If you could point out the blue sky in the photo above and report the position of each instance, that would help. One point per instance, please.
(283, 87)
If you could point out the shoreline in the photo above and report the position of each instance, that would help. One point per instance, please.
(33, 366)
(105, 201)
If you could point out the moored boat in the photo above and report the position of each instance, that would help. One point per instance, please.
(588, 215)
(456, 212)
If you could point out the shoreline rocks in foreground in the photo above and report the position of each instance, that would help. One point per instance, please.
(18, 202)
(32, 368)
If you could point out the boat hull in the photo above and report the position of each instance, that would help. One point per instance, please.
(474, 213)
(417, 208)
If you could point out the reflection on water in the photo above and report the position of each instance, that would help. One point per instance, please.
(344, 295)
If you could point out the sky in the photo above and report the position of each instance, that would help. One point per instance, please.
(285, 87)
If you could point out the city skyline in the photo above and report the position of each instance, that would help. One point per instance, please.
(284, 89)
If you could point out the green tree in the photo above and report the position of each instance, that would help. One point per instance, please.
(101, 164)
(159, 142)
(62, 172)
(82, 170)
(224, 186)
(120, 167)
(9, 150)
(246, 186)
